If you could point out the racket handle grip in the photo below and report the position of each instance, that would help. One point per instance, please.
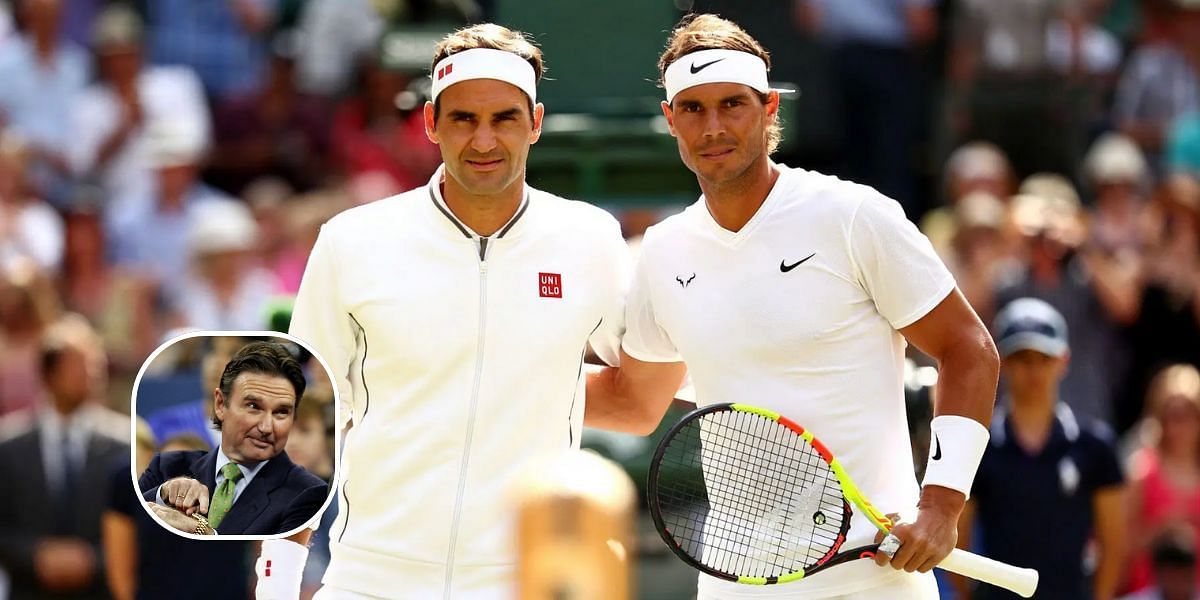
(1018, 580)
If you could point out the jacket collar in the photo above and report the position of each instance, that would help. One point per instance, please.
(435, 195)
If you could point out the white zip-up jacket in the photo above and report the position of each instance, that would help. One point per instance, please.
(460, 358)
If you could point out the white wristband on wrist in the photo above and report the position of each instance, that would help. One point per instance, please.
(956, 445)
(280, 570)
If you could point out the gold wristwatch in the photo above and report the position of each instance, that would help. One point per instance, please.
(202, 526)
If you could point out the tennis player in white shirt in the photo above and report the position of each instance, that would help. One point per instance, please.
(797, 291)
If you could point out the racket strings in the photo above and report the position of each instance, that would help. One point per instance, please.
(744, 495)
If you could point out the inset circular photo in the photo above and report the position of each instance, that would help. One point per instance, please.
(235, 435)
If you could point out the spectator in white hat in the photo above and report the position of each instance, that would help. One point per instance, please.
(110, 142)
(980, 252)
(149, 233)
(1118, 176)
(226, 289)
(973, 167)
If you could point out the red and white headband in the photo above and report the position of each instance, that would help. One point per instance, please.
(484, 63)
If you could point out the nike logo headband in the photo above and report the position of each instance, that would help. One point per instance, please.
(716, 66)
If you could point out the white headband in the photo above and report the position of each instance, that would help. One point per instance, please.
(716, 66)
(484, 63)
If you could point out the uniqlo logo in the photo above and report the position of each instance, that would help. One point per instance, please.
(267, 570)
(550, 285)
(446, 70)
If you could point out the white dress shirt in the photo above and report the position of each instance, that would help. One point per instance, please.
(58, 431)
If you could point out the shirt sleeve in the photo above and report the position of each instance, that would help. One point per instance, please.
(606, 340)
(896, 263)
(320, 319)
(645, 339)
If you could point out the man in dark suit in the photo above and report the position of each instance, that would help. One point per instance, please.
(248, 485)
(55, 463)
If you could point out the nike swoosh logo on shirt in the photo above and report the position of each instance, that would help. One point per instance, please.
(784, 267)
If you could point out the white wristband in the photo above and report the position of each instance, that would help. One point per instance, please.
(280, 570)
(956, 445)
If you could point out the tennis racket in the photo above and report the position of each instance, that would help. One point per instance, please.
(744, 494)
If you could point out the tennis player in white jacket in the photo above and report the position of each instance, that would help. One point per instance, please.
(456, 317)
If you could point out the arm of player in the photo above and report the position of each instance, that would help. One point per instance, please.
(633, 397)
(1108, 504)
(320, 319)
(968, 367)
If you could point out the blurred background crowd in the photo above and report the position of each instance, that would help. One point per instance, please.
(166, 164)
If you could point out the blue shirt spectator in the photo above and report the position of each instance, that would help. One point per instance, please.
(1045, 468)
(219, 39)
(37, 91)
(152, 240)
(37, 94)
(1019, 493)
(879, 22)
(186, 418)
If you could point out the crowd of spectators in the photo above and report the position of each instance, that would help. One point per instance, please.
(166, 164)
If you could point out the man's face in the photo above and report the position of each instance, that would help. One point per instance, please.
(721, 128)
(484, 131)
(307, 444)
(257, 417)
(71, 378)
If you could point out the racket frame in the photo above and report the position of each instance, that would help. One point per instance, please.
(850, 494)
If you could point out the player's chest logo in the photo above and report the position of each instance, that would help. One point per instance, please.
(685, 280)
(550, 285)
(784, 267)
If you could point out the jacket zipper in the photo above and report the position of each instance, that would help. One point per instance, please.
(462, 473)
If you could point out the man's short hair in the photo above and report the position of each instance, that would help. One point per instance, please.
(495, 37)
(710, 32)
(264, 358)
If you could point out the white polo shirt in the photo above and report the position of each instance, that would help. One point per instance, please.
(798, 312)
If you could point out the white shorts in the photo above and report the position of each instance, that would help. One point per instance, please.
(911, 586)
